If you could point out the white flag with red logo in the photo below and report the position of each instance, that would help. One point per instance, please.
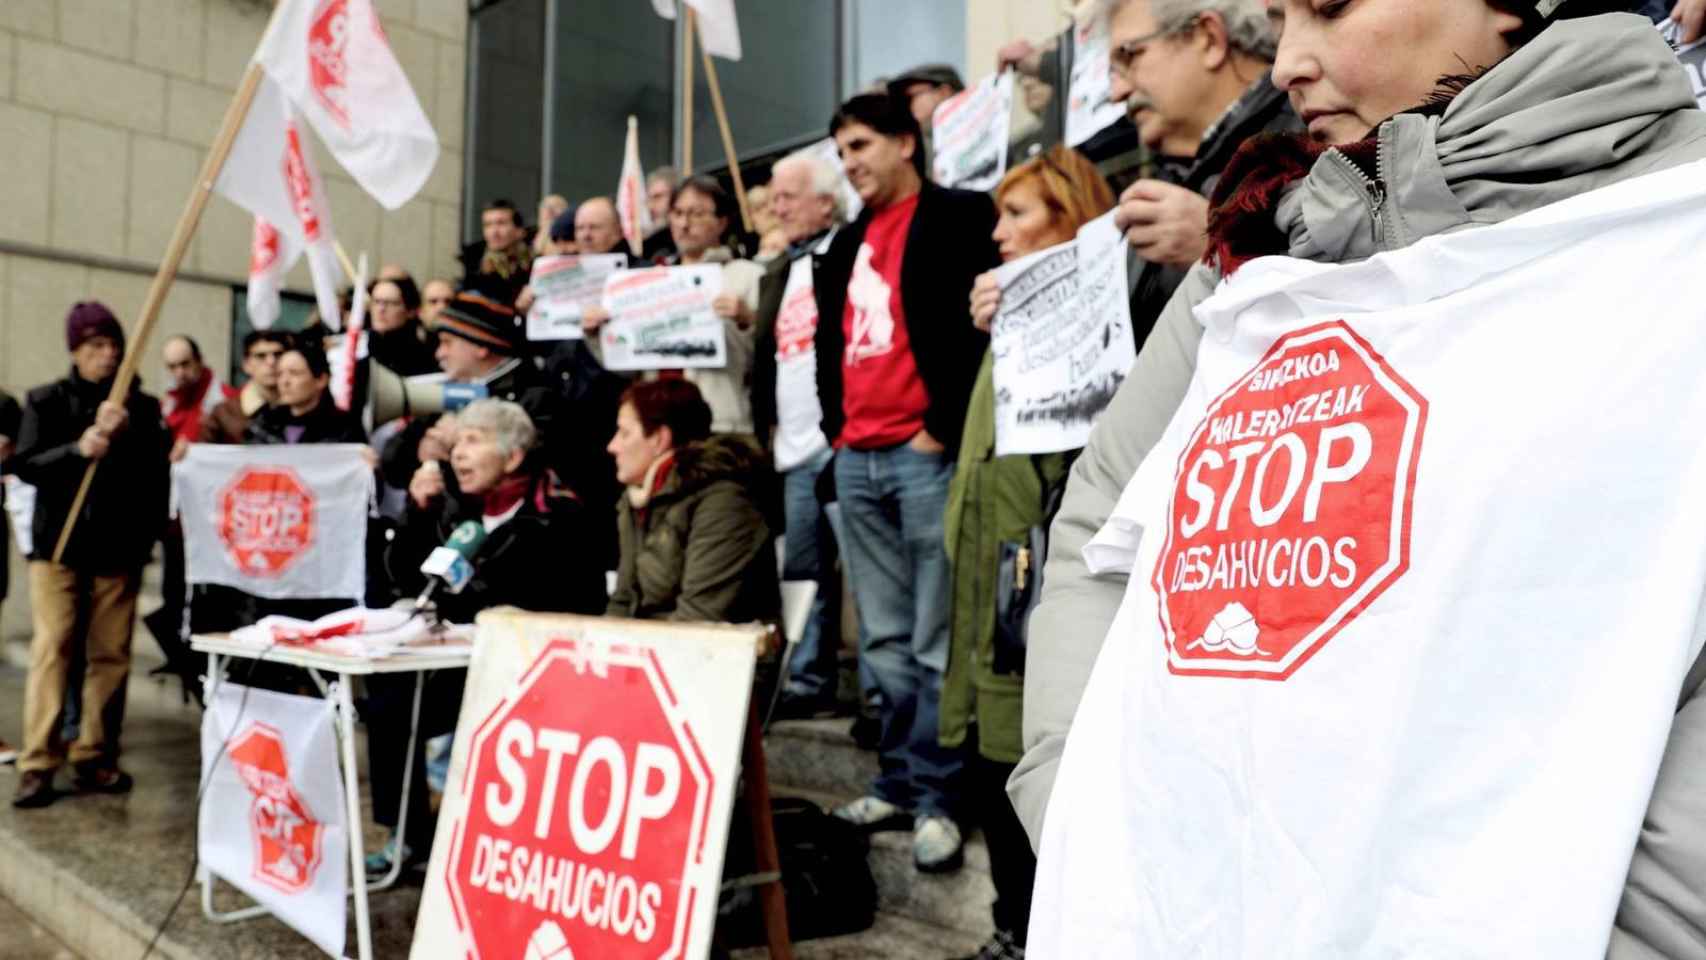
(271, 819)
(1414, 580)
(271, 174)
(286, 521)
(333, 61)
(271, 255)
(631, 193)
(718, 29)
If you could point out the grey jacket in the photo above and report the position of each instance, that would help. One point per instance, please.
(1589, 103)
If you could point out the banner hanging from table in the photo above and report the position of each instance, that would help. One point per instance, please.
(590, 788)
(563, 287)
(1062, 341)
(969, 134)
(271, 819)
(276, 521)
(661, 318)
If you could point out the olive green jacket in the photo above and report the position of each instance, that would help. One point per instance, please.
(702, 549)
(990, 501)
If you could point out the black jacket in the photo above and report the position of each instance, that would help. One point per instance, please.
(323, 424)
(947, 247)
(125, 512)
(407, 351)
(531, 561)
(522, 383)
(771, 287)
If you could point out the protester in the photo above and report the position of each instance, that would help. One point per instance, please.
(700, 218)
(305, 412)
(924, 88)
(229, 421)
(551, 207)
(560, 239)
(195, 392)
(396, 338)
(499, 266)
(993, 504)
(434, 296)
(660, 190)
(66, 426)
(530, 559)
(805, 196)
(1495, 113)
(10, 416)
(696, 543)
(598, 229)
(894, 375)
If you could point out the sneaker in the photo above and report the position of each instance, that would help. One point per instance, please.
(379, 862)
(873, 814)
(35, 789)
(100, 778)
(936, 845)
(8, 753)
(1002, 946)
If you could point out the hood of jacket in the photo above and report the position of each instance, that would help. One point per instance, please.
(1589, 102)
(722, 457)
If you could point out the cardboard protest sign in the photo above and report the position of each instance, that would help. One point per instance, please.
(563, 287)
(1088, 109)
(1692, 57)
(1421, 528)
(661, 318)
(590, 789)
(271, 819)
(276, 521)
(969, 134)
(1062, 341)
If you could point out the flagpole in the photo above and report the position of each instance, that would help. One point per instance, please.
(181, 236)
(692, 26)
(728, 137)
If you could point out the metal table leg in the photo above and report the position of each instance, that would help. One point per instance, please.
(353, 818)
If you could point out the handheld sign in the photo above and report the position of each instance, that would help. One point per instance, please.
(563, 287)
(662, 319)
(970, 134)
(590, 790)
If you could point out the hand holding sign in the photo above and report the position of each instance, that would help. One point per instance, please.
(1165, 224)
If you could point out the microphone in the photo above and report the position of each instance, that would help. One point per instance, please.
(451, 565)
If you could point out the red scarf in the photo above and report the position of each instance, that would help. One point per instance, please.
(1241, 213)
(504, 497)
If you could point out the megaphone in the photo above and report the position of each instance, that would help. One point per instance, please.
(390, 396)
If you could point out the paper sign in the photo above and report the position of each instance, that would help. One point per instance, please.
(969, 133)
(563, 287)
(661, 318)
(1692, 57)
(1088, 109)
(590, 788)
(1062, 341)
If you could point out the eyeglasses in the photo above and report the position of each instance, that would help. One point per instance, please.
(1125, 56)
(693, 216)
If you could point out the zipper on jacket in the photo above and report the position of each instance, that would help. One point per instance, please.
(1373, 193)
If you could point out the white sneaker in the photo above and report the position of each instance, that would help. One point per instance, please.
(936, 845)
(873, 813)
(8, 753)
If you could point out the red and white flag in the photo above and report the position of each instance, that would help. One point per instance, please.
(718, 29)
(631, 193)
(271, 174)
(332, 60)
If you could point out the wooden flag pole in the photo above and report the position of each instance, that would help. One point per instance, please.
(692, 27)
(728, 137)
(187, 223)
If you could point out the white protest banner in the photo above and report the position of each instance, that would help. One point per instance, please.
(1088, 109)
(271, 818)
(281, 521)
(829, 151)
(718, 28)
(1692, 57)
(590, 788)
(969, 134)
(631, 209)
(1424, 529)
(331, 58)
(563, 287)
(661, 318)
(20, 500)
(271, 255)
(1061, 340)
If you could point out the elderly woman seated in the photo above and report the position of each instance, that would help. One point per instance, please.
(532, 558)
(695, 543)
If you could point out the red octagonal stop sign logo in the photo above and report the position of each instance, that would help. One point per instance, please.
(587, 799)
(1290, 511)
(266, 520)
(287, 837)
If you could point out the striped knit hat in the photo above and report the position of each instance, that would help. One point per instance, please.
(481, 320)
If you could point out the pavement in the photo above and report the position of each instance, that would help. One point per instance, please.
(21, 939)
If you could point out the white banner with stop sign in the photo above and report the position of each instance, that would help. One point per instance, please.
(590, 788)
(276, 521)
(1415, 578)
(271, 818)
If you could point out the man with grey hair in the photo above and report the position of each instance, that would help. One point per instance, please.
(1194, 77)
(660, 192)
(806, 197)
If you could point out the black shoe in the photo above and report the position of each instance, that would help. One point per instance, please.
(100, 778)
(35, 789)
(794, 706)
(866, 731)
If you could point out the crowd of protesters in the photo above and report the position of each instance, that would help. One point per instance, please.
(865, 443)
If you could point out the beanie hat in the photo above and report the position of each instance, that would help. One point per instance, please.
(563, 227)
(91, 318)
(479, 319)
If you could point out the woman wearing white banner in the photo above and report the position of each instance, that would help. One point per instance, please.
(1445, 117)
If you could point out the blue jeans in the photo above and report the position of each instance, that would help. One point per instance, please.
(809, 554)
(892, 503)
